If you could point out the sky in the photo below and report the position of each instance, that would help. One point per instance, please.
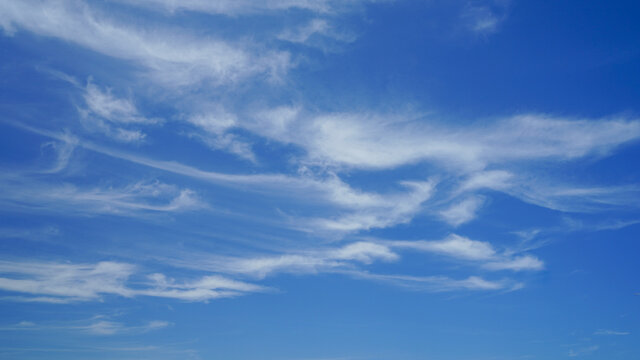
(319, 179)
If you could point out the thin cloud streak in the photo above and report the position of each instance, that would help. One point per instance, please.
(474, 251)
(440, 283)
(21, 192)
(65, 283)
(94, 326)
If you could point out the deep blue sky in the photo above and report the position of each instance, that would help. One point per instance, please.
(319, 179)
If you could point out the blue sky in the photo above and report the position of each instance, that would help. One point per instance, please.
(319, 179)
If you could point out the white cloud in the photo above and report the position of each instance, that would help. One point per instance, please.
(109, 115)
(136, 197)
(462, 212)
(63, 283)
(441, 283)
(217, 122)
(234, 7)
(348, 260)
(454, 246)
(518, 263)
(484, 17)
(203, 289)
(494, 179)
(302, 34)
(64, 150)
(480, 252)
(109, 107)
(97, 325)
(377, 141)
(583, 351)
(276, 123)
(481, 19)
(364, 210)
(545, 192)
(318, 33)
(611, 332)
(371, 210)
(106, 327)
(308, 262)
(243, 7)
(170, 57)
(364, 252)
(574, 198)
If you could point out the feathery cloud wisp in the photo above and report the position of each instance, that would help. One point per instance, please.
(63, 283)
(169, 57)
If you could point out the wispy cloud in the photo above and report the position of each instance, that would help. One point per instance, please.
(370, 210)
(217, 124)
(64, 150)
(109, 115)
(244, 7)
(462, 212)
(479, 252)
(492, 179)
(304, 262)
(31, 233)
(105, 327)
(574, 198)
(141, 196)
(359, 210)
(385, 141)
(318, 33)
(454, 245)
(353, 259)
(98, 325)
(583, 351)
(611, 332)
(366, 210)
(170, 57)
(349, 260)
(440, 283)
(63, 283)
(518, 263)
(234, 7)
(347, 140)
(484, 17)
(302, 34)
(109, 107)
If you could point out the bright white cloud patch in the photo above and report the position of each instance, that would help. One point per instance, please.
(375, 142)
(462, 212)
(455, 246)
(170, 57)
(519, 263)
